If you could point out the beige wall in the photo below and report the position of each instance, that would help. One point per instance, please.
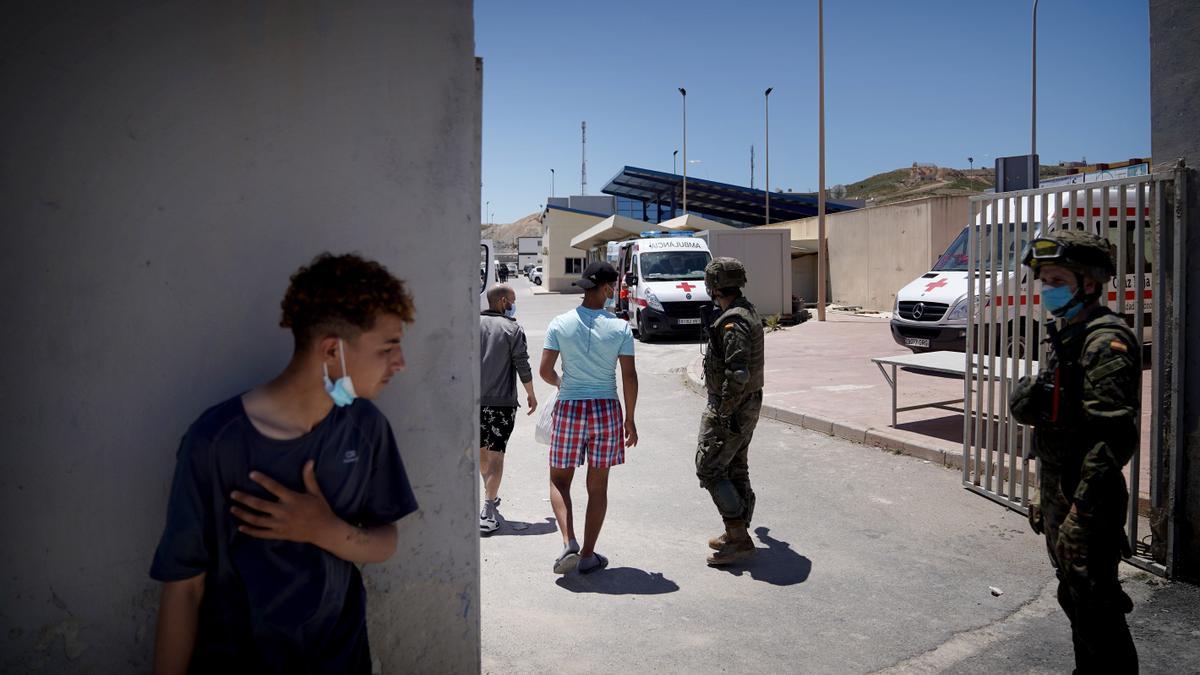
(875, 251)
(559, 228)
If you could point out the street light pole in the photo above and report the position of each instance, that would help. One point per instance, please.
(767, 120)
(674, 157)
(551, 182)
(822, 261)
(1033, 98)
(684, 93)
(487, 206)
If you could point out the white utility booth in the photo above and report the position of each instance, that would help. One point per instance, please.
(767, 257)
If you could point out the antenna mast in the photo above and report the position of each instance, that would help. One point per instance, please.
(583, 155)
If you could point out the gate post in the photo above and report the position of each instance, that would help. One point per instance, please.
(1175, 135)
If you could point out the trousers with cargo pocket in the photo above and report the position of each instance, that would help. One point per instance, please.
(722, 456)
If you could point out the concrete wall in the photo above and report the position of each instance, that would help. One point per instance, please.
(560, 227)
(166, 166)
(873, 252)
(1175, 134)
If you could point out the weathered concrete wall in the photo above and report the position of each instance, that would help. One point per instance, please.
(874, 252)
(166, 166)
(1175, 134)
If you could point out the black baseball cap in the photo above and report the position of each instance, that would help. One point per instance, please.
(596, 273)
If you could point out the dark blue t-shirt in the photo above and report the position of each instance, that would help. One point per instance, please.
(278, 606)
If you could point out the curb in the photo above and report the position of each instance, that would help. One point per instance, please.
(883, 438)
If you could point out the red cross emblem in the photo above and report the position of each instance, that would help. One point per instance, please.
(936, 284)
(687, 288)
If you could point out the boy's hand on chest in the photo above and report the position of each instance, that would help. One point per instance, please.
(303, 517)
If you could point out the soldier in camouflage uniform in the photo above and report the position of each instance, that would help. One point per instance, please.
(733, 374)
(1084, 407)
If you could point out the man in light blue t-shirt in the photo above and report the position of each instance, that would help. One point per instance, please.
(587, 419)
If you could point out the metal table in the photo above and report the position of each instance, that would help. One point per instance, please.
(942, 363)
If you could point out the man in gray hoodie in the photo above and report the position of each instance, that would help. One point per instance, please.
(503, 359)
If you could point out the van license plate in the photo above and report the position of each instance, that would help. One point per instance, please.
(689, 322)
(916, 342)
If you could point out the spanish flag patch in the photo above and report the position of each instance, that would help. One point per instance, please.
(1119, 346)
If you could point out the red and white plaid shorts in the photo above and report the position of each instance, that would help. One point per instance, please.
(595, 428)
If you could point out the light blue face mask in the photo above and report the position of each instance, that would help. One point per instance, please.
(610, 302)
(511, 312)
(342, 391)
(1055, 298)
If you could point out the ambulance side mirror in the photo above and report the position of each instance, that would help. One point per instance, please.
(630, 279)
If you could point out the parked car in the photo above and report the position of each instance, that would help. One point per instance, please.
(535, 275)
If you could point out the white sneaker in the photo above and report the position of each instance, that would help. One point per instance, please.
(487, 517)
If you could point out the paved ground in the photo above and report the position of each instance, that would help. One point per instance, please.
(867, 560)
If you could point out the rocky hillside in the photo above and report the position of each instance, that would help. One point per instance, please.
(925, 180)
(504, 235)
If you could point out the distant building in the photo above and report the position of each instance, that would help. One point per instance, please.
(529, 251)
(655, 197)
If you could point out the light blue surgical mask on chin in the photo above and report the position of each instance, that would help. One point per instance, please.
(610, 301)
(342, 392)
(511, 312)
(1056, 298)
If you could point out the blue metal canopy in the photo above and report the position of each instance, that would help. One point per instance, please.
(733, 204)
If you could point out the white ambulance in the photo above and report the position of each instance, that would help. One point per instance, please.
(931, 312)
(660, 288)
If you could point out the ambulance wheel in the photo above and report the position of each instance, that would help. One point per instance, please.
(642, 333)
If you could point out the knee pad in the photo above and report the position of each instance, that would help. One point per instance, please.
(727, 499)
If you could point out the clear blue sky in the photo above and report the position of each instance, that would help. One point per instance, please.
(905, 81)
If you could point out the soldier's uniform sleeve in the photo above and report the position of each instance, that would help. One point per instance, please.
(1111, 392)
(735, 338)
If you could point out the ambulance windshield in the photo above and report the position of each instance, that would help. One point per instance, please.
(674, 265)
(956, 259)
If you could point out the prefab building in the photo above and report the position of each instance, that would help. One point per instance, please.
(767, 257)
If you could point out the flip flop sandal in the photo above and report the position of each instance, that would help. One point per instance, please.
(601, 563)
(566, 562)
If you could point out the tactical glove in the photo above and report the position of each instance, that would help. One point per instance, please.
(1025, 401)
(1035, 519)
(1072, 547)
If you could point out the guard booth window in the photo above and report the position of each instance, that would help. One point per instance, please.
(574, 266)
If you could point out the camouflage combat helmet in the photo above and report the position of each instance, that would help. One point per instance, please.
(1079, 251)
(725, 273)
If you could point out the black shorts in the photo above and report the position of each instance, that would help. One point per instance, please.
(496, 426)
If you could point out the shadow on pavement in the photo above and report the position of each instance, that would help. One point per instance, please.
(516, 528)
(947, 428)
(619, 581)
(778, 564)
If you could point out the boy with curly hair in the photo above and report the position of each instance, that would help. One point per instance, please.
(281, 492)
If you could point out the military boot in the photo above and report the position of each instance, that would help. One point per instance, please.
(718, 541)
(737, 546)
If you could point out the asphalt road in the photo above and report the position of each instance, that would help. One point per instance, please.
(866, 560)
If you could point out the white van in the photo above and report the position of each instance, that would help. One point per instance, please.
(931, 312)
(660, 288)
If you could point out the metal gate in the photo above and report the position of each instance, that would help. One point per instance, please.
(1005, 338)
